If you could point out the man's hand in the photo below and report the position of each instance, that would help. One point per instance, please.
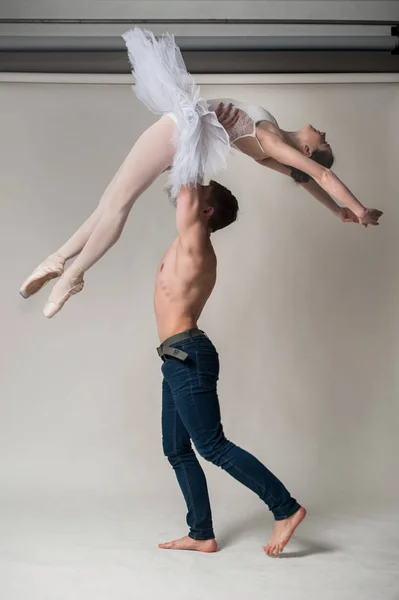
(347, 216)
(370, 216)
(227, 115)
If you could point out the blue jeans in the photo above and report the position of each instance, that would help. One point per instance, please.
(191, 412)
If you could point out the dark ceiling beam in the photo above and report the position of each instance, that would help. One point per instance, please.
(207, 62)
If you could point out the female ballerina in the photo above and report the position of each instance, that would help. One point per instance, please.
(192, 139)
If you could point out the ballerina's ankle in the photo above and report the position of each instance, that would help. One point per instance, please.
(58, 256)
(74, 273)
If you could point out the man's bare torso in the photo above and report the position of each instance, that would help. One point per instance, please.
(183, 285)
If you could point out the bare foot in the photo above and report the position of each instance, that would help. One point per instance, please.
(187, 543)
(283, 531)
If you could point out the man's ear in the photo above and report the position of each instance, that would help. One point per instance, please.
(307, 151)
(208, 212)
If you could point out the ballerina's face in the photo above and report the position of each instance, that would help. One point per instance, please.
(315, 139)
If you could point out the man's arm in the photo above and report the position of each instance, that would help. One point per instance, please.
(190, 222)
(313, 188)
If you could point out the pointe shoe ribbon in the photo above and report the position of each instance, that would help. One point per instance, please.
(52, 307)
(49, 269)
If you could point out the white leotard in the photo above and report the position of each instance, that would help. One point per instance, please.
(249, 116)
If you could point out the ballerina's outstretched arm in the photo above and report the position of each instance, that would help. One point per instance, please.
(280, 151)
(313, 188)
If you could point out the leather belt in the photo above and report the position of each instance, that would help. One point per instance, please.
(166, 348)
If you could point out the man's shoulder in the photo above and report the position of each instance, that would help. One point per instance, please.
(203, 251)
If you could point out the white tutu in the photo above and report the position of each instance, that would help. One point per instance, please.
(165, 86)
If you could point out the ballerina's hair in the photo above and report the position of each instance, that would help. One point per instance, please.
(225, 207)
(323, 157)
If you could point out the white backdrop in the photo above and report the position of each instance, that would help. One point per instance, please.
(304, 313)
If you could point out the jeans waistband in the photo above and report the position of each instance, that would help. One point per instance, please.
(166, 349)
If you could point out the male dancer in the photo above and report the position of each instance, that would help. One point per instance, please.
(190, 406)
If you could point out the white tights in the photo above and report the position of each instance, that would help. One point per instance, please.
(150, 156)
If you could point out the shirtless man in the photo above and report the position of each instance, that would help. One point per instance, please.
(190, 406)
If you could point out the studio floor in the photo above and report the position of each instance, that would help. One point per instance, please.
(75, 548)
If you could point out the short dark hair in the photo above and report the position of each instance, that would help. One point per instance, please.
(225, 206)
(323, 157)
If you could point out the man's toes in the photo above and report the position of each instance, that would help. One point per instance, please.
(167, 546)
(274, 551)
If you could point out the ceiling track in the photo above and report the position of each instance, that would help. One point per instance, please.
(205, 62)
(198, 22)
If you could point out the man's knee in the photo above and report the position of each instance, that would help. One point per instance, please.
(168, 450)
(176, 454)
(213, 450)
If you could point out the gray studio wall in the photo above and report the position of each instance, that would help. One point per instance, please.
(304, 313)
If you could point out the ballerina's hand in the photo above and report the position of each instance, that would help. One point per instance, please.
(370, 216)
(347, 216)
(227, 115)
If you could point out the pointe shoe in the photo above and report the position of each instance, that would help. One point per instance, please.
(49, 269)
(52, 307)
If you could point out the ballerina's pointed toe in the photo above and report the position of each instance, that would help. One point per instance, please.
(49, 269)
(52, 307)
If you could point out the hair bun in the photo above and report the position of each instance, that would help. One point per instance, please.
(299, 176)
(322, 157)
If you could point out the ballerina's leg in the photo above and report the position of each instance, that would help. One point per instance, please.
(150, 156)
